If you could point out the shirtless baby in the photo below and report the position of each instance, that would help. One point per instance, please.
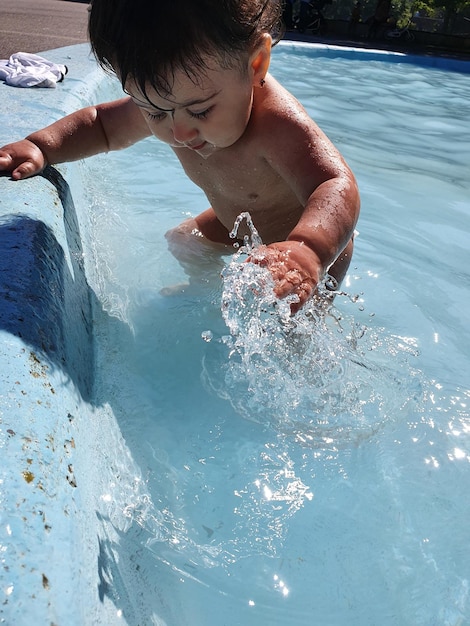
(196, 77)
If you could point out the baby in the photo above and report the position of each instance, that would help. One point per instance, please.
(196, 77)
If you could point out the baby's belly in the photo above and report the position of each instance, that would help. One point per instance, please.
(271, 224)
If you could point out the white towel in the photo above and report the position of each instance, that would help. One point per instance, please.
(24, 69)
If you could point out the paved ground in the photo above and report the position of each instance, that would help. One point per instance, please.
(40, 25)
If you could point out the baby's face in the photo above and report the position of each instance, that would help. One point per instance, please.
(204, 115)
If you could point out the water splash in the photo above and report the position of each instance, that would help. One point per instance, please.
(317, 376)
(251, 240)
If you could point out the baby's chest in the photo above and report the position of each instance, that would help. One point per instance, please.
(247, 179)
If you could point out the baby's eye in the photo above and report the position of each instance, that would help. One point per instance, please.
(155, 116)
(200, 115)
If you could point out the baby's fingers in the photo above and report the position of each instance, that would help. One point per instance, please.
(292, 285)
(284, 288)
(25, 170)
(22, 158)
(6, 162)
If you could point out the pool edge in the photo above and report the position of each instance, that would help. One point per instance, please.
(55, 565)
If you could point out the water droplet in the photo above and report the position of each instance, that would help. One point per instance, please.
(207, 335)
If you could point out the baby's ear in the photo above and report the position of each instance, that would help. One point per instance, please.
(260, 59)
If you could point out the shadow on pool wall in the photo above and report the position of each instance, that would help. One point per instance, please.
(45, 303)
(63, 560)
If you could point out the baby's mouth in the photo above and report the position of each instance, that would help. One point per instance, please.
(196, 147)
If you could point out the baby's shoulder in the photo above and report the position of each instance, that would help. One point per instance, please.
(278, 104)
(279, 115)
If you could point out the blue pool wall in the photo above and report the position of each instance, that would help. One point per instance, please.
(59, 560)
(55, 567)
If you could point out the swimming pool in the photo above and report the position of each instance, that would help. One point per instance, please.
(245, 477)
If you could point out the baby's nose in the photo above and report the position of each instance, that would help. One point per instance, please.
(184, 132)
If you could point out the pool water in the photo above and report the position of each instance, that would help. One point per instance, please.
(307, 471)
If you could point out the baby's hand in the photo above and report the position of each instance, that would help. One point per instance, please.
(22, 159)
(295, 269)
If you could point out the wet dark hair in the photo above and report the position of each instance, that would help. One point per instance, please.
(148, 40)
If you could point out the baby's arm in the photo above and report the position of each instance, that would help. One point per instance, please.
(327, 189)
(101, 128)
